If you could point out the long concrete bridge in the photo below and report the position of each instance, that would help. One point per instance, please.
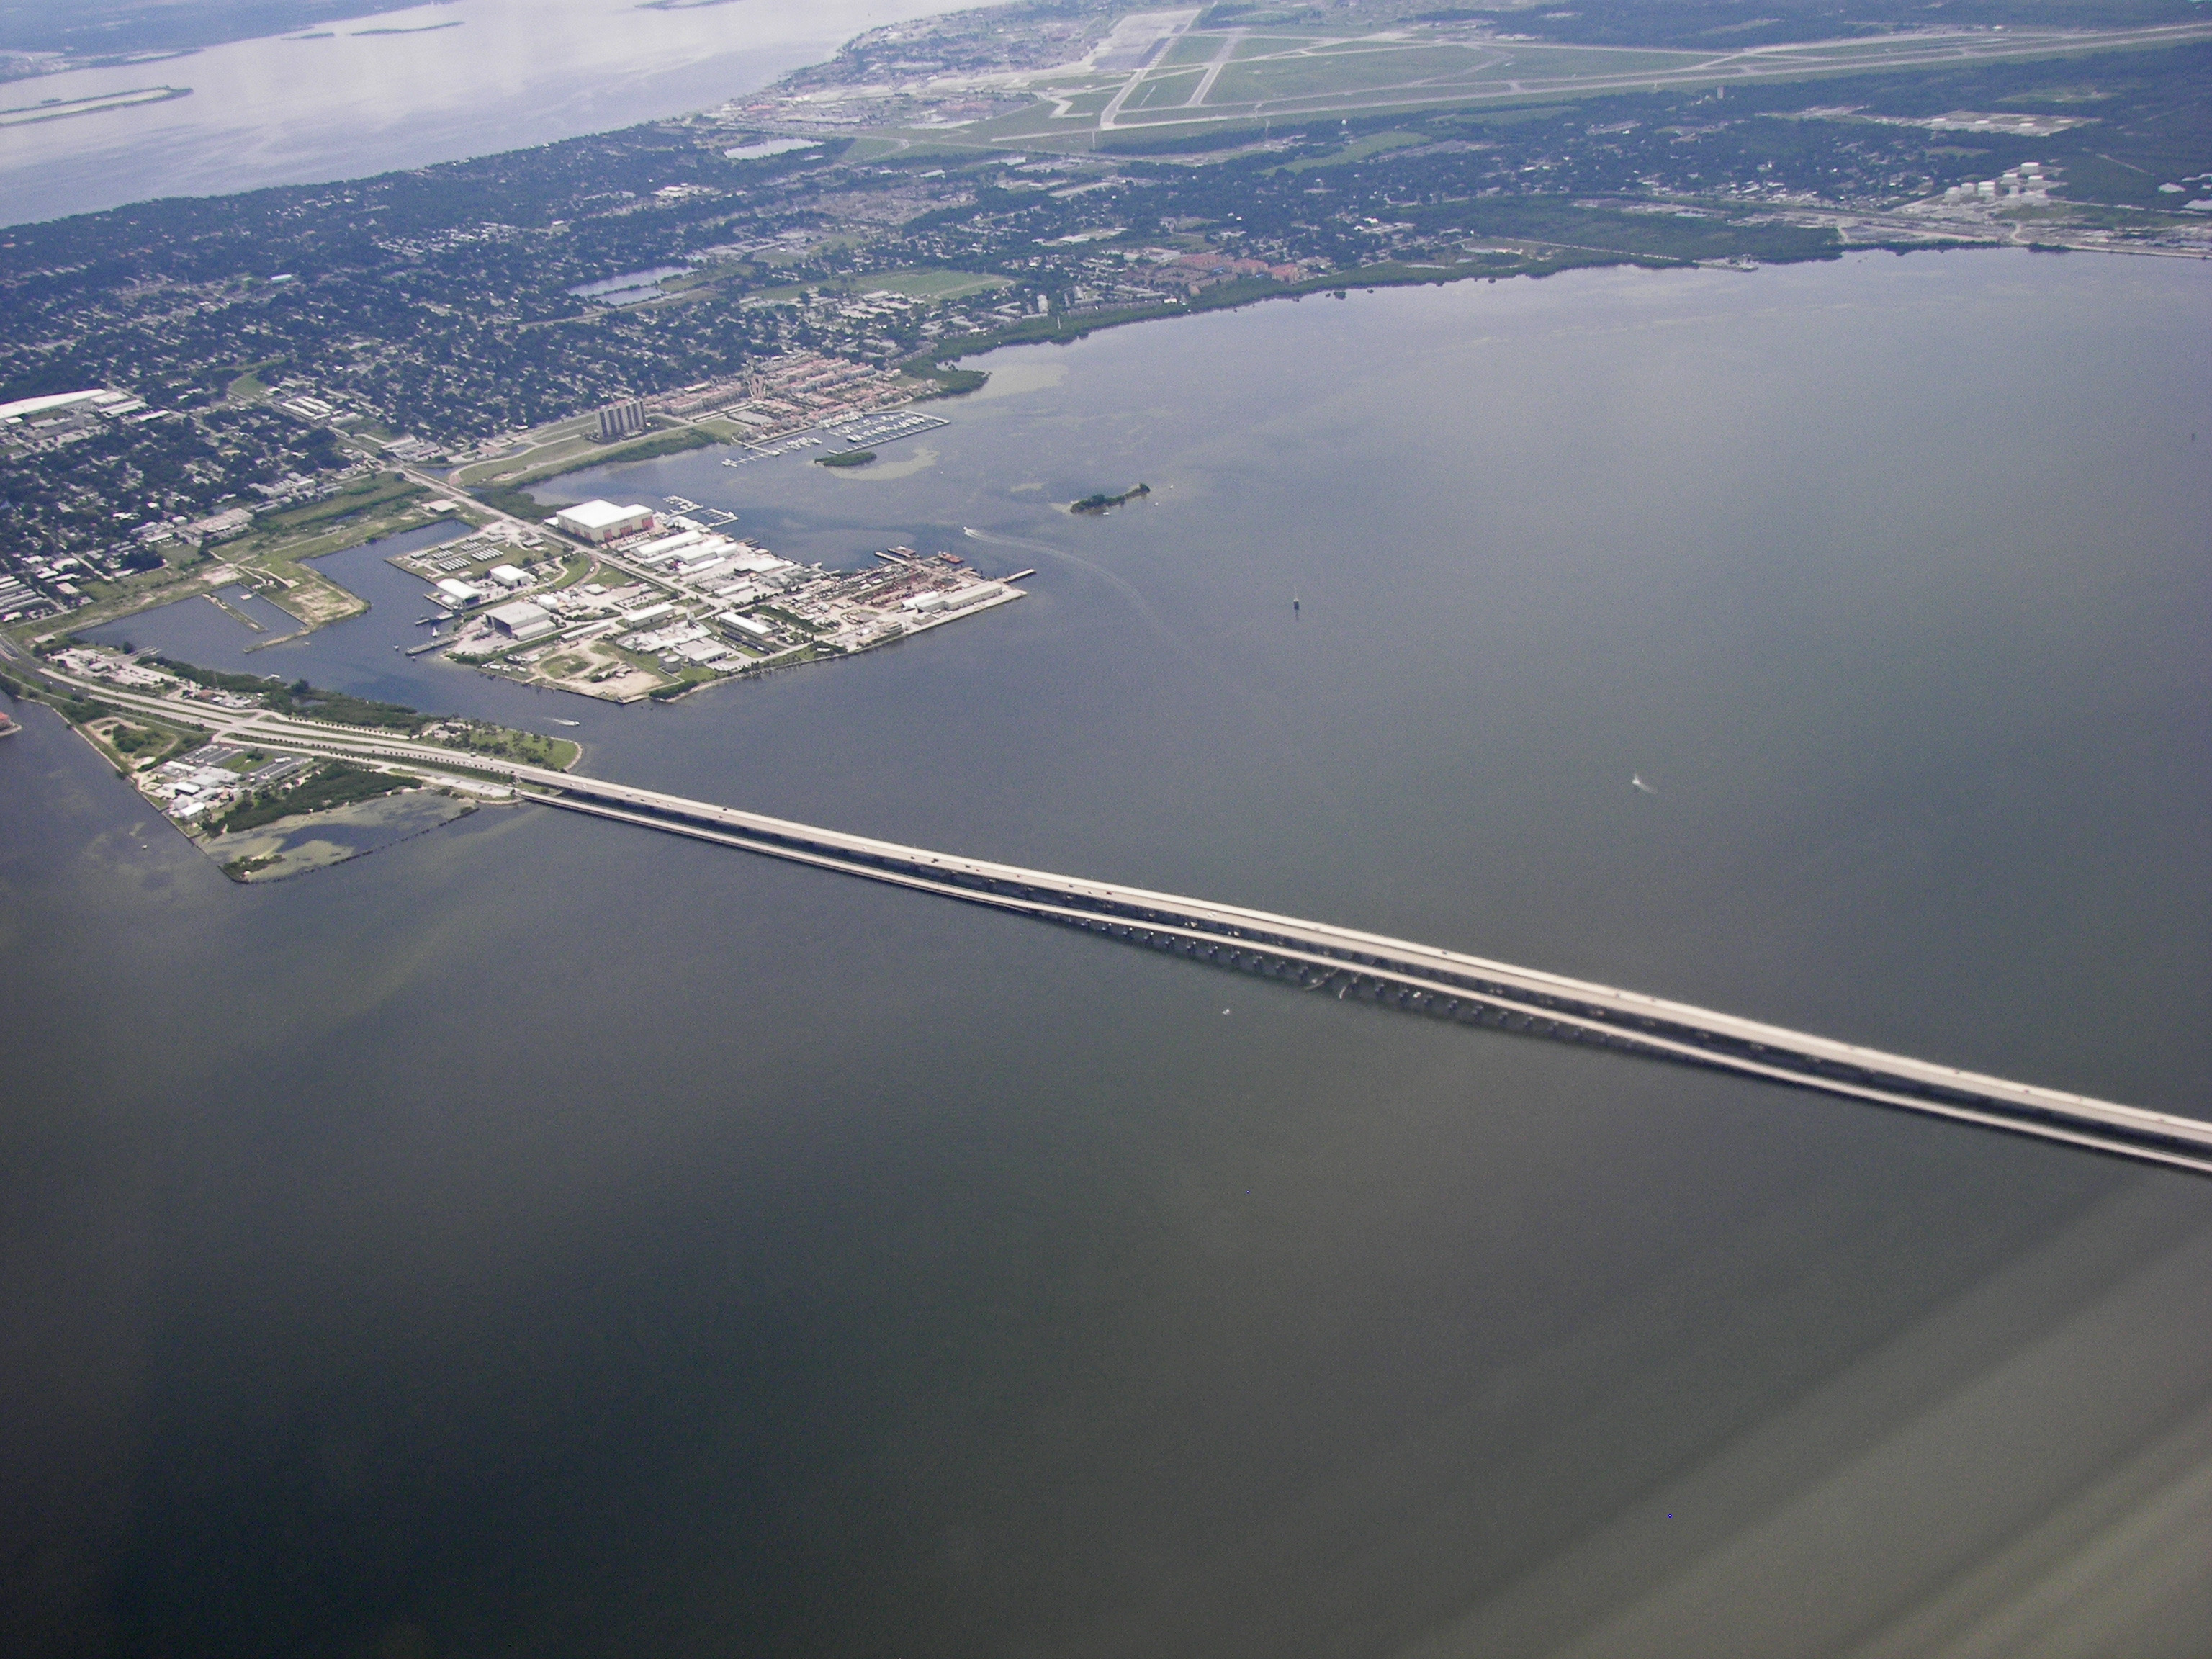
(1317, 956)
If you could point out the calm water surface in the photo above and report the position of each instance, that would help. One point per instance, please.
(541, 1237)
(406, 90)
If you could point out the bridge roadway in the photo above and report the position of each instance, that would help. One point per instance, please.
(1421, 978)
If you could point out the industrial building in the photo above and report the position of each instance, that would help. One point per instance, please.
(752, 625)
(601, 522)
(698, 602)
(98, 397)
(521, 620)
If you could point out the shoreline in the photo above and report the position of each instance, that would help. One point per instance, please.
(1053, 329)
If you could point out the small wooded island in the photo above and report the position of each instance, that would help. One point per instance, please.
(848, 458)
(1100, 502)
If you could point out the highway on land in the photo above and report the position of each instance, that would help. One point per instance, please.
(1421, 978)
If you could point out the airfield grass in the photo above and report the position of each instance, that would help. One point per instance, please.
(1349, 67)
(1037, 125)
(1368, 42)
(1090, 101)
(1557, 62)
(1290, 66)
(1166, 90)
(1367, 76)
(1250, 80)
(1193, 48)
(1266, 45)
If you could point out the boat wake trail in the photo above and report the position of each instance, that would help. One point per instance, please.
(1261, 712)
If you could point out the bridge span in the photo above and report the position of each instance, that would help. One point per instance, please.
(1419, 978)
(1423, 978)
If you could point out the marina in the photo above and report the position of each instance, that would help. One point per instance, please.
(863, 434)
(757, 452)
(889, 427)
(711, 518)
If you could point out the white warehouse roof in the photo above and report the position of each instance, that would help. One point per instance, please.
(23, 406)
(521, 618)
(598, 515)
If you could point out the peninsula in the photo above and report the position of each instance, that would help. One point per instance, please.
(184, 737)
(197, 392)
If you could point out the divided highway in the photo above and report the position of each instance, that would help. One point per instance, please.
(1419, 978)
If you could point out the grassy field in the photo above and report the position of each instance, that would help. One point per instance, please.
(376, 493)
(1359, 149)
(572, 433)
(188, 574)
(928, 284)
(720, 431)
(576, 566)
(269, 558)
(275, 550)
(499, 483)
(249, 387)
(137, 743)
(505, 743)
(554, 453)
(600, 668)
(778, 294)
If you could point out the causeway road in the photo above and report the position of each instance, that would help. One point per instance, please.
(1419, 978)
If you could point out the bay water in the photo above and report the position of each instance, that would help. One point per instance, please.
(439, 82)
(545, 1237)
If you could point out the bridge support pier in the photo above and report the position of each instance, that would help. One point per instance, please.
(1438, 984)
